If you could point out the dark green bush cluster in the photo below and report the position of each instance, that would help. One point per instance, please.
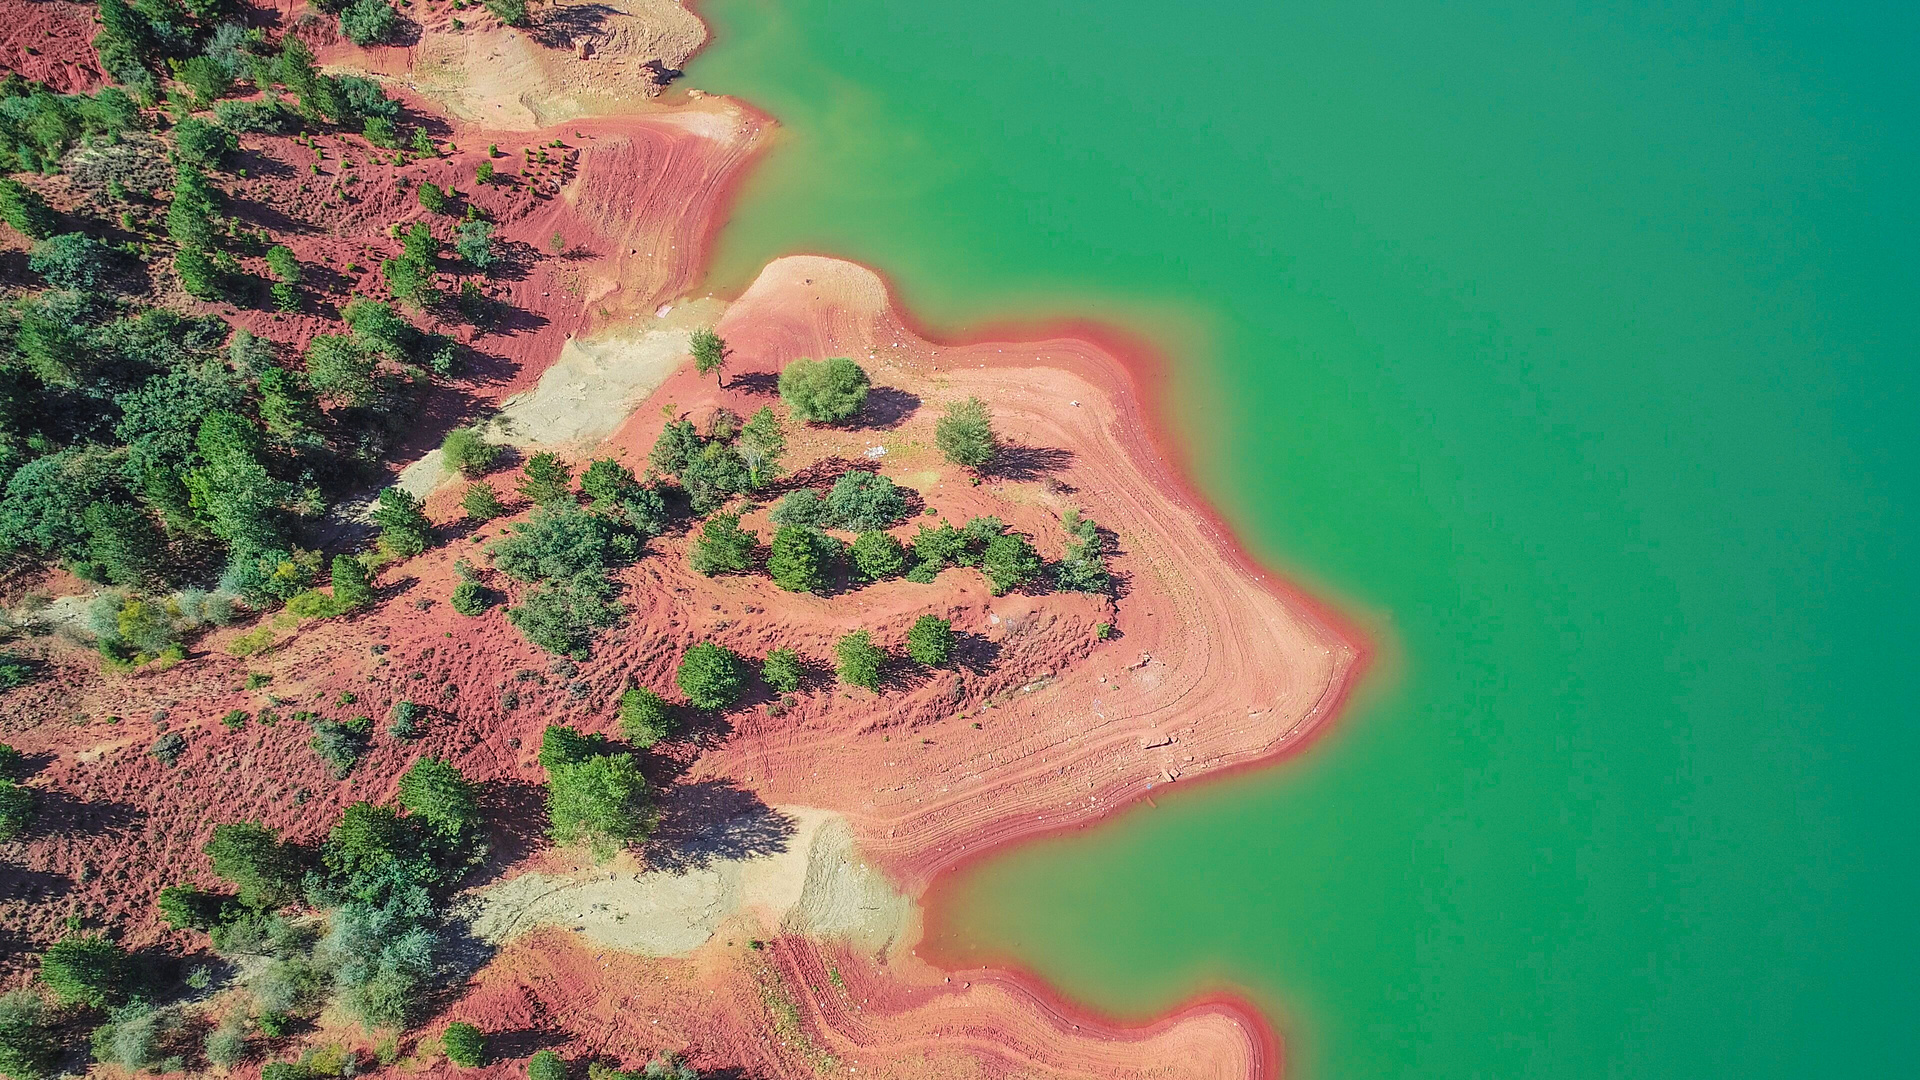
(1007, 559)
(645, 717)
(800, 558)
(38, 126)
(857, 502)
(722, 547)
(730, 459)
(595, 796)
(710, 675)
(859, 660)
(339, 744)
(1083, 568)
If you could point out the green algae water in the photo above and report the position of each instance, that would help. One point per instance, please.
(1571, 349)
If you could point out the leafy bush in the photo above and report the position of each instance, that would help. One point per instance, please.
(723, 547)
(878, 555)
(12, 762)
(558, 543)
(406, 719)
(28, 1050)
(338, 745)
(607, 483)
(473, 241)
(930, 640)
(251, 856)
(468, 453)
(799, 558)
(710, 676)
(860, 501)
(201, 144)
(782, 670)
(85, 969)
(546, 479)
(351, 587)
(564, 745)
(804, 508)
(709, 352)
(187, 908)
(365, 22)
(546, 1065)
(24, 209)
(435, 791)
(565, 618)
(71, 261)
(859, 660)
(965, 434)
(283, 264)
(471, 598)
(1009, 563)
(131, 1037)
(481, 502)
(383, 960)
(598, 801)
(16, 809)
(645, 718)
(226, 1045)
(432, 197)
(761, 443)
(267, 117)
(464, 1043)
(824, 391)
(14, 671)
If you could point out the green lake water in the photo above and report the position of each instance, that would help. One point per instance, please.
(1570, 348)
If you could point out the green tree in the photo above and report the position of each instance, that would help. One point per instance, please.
(282, 264)
(402, 517)
(470, 598)
(1009, 563)
(1083, 568)
(464, 1044)
(252, 857)
(187, 908)
(546, 1065)
(546, 479)
(366, 22)
(645, 718)
(511, 12)
(437, 792)
(200, 276)
(930, 640)
(878, 555)
(709, 353)
(351, 588)
(123, 545)
(343, 371)
(85, 969)
(410, 279)
(564, 618)
(860, 501)
(24, 209)
(366, 842)
(677, 445)
(16, 809)
(468, 453)
(483, 173)
(965, 434)
(239, 498)
(432, 197)
(824, 391)
(723, 547)
(481, 502)
(598, 801)
(782, 670)
(607, 483)
(804, 508)
(201, 144)
(207, 78)
(561, 744)
(473, 241)
(796, 559)
(761, 444)
(709, 675)
(859, 660)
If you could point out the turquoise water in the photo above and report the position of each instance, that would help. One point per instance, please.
(1571, 349)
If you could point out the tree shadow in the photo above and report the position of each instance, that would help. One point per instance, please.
(714, 820)
(62, 812)
(557, 27)
(1015, 461)
(887, 408)
(32, 886)
(514, 810)
(523, 1042)
(974, 653)
(755, 382)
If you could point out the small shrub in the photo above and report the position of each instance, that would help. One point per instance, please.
(168, 748)
(337, 745)
(860, 501)
(599, 801)
(546, 479)
(723, 547)
(201, 144)
(471, 598)
(405, 723)
(432, 197)
(511, 12)
(859, 660)
(235, 720)
(16, 809)
(803, 508)
(930, 640)
(782, 670)
(465, 1045)
(366, 22)
(965, 434)
(1009, 563)
(645, 717)
(468, 453)
(798, 559)
(481, 502)
(709, 675)
(226, 1045)
(85, 969)
(483, 173)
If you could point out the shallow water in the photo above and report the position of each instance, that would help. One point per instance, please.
(1571, 350)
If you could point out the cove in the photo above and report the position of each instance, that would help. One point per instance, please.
(1570, 350)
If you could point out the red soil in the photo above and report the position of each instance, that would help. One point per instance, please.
(50, 41)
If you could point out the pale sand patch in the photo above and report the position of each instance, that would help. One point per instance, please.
(588, 391)
(818, 884)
